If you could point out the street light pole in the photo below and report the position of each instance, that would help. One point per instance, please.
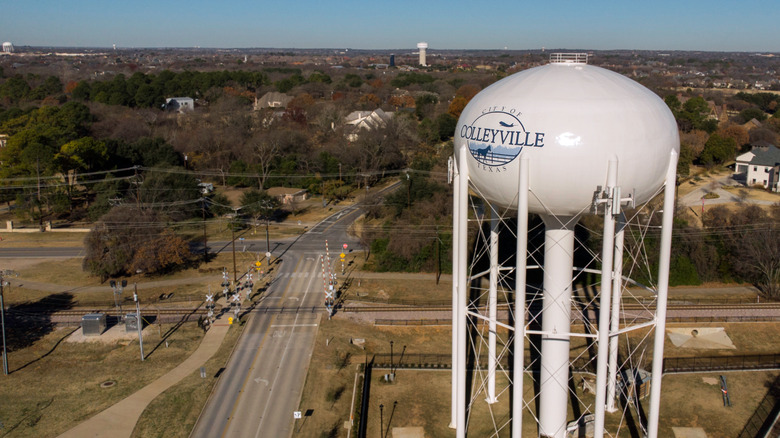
(138, 320)
(2, 321)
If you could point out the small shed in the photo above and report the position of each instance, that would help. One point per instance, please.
(287, 195)
(93, 324)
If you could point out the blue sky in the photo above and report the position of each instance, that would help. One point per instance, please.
(715, 25)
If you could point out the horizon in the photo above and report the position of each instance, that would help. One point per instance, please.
(410, 50)
(697, 25)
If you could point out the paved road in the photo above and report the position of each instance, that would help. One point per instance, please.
(262, 384)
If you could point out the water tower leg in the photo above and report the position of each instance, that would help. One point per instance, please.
(463, 184)
(617, 292)
(520, 285)
(492, 304)
(556, 324)
(455, 302)
(607, 252)
(663, 289)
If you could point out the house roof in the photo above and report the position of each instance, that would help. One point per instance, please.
(273, 99)
(767, 155)
(282, 191)
(368, 119)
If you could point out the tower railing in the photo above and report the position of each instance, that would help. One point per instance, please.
(568, 58)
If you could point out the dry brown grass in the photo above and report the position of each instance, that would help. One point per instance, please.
(54, 385)
(174, 413)
(423, 396)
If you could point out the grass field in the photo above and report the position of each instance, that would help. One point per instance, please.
(423, 396)
(174, 413)
(54, 384)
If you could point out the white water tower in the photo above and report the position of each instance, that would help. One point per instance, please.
(422, 47)
(558, 141)
(8, 47)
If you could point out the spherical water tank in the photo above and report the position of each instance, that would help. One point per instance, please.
(570, 119)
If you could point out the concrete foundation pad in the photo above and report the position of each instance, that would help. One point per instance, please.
(408, 432)
(689, 432)
(703, 338)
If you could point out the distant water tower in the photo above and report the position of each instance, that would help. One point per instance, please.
(422, 46)
(8, 47)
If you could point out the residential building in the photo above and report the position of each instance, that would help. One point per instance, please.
(179, 104)
(368, 120)
(288, 195)
(761, 166)
(272, 99)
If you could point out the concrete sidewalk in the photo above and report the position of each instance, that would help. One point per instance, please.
(120, 419)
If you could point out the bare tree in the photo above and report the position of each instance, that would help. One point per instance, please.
(757, 254)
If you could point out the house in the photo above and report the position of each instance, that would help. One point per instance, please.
(761, 166)
(368, 120)
(179, 104)
(753, 123)
(272, 99)
(288, 195)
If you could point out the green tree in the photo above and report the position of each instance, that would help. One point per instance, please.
(749, 114)
(718, 150)
(14, 89)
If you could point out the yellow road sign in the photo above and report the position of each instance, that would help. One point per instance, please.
(342, 255)
(230, 320)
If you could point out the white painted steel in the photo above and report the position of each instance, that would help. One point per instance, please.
(463, 188)
(455, 276)
(520, 286)
(607, 251)
(617, 294)
(492, 307)
(556, 319)
(663, 291)
(571, 118)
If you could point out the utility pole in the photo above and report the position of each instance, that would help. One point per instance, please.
(3, 274)
(40, 207)
(233, 241)
(137, 189)
(205, 238)
(2, 321)
(138, 320)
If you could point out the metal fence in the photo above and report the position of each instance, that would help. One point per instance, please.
(670, 365)
(721, 363)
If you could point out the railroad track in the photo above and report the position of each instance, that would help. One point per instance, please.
(394, 308)
(170, 313)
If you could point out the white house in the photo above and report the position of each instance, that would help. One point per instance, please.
(761, 166)
(179, 104)
(367, 120)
